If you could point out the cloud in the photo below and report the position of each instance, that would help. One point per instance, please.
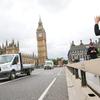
(16, 19)
(28, 45)
(6, 4)
(17, 22)
(63, 21)
(57, 49)
(53, 5)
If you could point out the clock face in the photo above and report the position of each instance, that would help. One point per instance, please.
(40, 35)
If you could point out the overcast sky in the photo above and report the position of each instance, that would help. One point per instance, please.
(64, 21)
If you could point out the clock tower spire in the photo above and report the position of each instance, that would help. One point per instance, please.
(41, 43)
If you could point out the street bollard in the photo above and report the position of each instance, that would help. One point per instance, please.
(83, 78)
(76, 73)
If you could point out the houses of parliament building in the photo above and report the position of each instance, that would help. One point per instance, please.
(9, 48)
(13, 48)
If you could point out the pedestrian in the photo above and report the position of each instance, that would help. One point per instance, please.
(92, 51)
(96, 26)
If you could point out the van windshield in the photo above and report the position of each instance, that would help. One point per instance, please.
(48, 63)
(6, 58)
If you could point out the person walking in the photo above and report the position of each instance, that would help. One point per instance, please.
(92, 51)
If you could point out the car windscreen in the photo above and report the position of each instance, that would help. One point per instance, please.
(6, 58)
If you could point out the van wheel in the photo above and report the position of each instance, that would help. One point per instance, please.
(12, 75)
(29, 72)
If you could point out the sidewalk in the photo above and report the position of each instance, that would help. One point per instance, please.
(75, 91)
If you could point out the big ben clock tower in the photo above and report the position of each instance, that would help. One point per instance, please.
(41, 43)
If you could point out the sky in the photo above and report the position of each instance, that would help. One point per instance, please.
(63, 20)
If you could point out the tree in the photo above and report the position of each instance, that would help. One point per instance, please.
(65, 61)
(55, 62)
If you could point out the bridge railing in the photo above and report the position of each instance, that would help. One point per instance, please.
(91, 66)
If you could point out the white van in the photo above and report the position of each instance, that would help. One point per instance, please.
(48, 64)
(11, 65)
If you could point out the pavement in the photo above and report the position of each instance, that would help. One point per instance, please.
(76, 91)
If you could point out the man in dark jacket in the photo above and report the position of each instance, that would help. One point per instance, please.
(92, 51)
(96, 26)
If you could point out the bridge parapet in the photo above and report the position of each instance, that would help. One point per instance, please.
(90, 66)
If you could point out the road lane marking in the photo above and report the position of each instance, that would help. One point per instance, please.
(47, 89)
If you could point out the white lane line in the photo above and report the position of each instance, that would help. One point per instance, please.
(13, 80)
(47, 89)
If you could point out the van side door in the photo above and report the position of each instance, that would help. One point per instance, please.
(16, 63)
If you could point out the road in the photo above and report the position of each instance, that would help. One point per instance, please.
(41, 85)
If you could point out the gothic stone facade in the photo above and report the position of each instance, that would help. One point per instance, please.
(13, 48)
(9, 48)
(41, 43)
(79, 52)
(28, 59)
